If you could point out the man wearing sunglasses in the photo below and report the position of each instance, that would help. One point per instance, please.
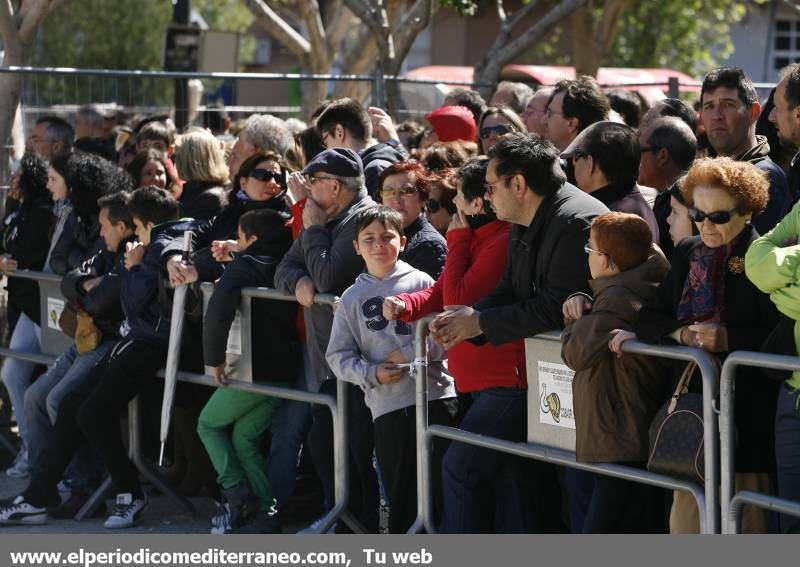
(606, 161)
(345, 124)
(729, 109)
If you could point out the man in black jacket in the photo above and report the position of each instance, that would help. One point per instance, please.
(93, 288)
(546, 263)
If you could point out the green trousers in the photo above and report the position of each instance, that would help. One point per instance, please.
(237, 458)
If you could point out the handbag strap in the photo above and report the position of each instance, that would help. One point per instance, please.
(683, 386)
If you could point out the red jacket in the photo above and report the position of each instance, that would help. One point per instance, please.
(475, 263)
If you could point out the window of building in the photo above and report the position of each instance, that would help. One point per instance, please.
(786, 42)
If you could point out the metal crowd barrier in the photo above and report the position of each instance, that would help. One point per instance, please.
(707, 501)
(732, 505)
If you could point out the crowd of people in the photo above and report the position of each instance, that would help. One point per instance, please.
(568, 207)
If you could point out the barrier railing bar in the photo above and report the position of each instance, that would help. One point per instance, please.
(706, 500)
(726, 424)
(45, 359)
(34, 275)
(771, 503)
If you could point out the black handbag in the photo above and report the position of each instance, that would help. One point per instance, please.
(676, 434)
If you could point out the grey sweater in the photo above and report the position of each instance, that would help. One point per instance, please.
(361, 339)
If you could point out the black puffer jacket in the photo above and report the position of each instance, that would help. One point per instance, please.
(224, 227)
(273, 336)
(79, 241)
(27, 239)
(102, 302)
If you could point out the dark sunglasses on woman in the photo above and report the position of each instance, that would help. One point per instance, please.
(716, 217)
(499, 130)
(267, 175)
(433, 207)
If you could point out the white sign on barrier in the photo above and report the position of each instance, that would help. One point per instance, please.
(235, 336)
(555, 394)
(54, 308)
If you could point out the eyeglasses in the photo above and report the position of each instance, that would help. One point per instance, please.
(266, 175)
(716, 217)
(646, 149)
(405, 191)
(314, 180)
(433, 206)
(489, 185)
(498, 130)
(550, 113)
(587, 249)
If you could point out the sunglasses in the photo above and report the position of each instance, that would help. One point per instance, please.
(389, 194)
(266, 175)
(498, 130)
(433, 206)
(716, 217)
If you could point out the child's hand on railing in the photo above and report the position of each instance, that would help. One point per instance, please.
(180, 273)
(618, 337)
(575, 307)
(220, 375)
(393, 308)
(7, 263)
(221, 250)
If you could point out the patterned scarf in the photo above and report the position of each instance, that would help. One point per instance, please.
(703, 298)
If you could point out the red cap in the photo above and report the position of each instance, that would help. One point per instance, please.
(453, 123)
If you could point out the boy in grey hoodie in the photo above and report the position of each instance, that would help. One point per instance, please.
(372, 352)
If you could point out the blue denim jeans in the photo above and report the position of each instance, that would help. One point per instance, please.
(787, 452)
(44, 396)
(17, 374)
(467, 469)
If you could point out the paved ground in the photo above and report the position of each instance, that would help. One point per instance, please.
(163, 516)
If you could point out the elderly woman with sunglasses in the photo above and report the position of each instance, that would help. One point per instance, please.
(497, 121)
(707, 302)
(260, 183)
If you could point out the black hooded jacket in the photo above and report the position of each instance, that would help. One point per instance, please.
(377, 158)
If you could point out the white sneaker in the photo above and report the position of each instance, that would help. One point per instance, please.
(126, 512)
(20, 468)
(221, 521)
(18, 511)
(312, 529)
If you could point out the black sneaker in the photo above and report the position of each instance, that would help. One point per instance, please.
(18, 511)
(126, 512)
(261, 523)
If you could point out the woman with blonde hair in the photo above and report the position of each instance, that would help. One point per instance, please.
(201, 164)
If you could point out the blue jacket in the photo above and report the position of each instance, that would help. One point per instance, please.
(145, 304)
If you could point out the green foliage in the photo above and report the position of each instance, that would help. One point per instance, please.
(692, 36)
(462, 7)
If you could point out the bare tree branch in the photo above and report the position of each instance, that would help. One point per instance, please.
(501, 11)
(524, 41)
(320, 55)
(279, 29)
(416, 20)
(366, 13)
(609, 25)
(8, 28)
(338, 27)
(31, 14)
(523, 12)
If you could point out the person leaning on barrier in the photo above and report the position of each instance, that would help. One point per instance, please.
(492, 376)
(771, 264)
(249, 504)
(92, 409)
(322, 260)
(706, 301)
(93, 288)
(615, 398)
(527, 187)
(786, 117)
(376, 355)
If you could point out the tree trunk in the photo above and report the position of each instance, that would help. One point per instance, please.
(10, 93)
(584, 47)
